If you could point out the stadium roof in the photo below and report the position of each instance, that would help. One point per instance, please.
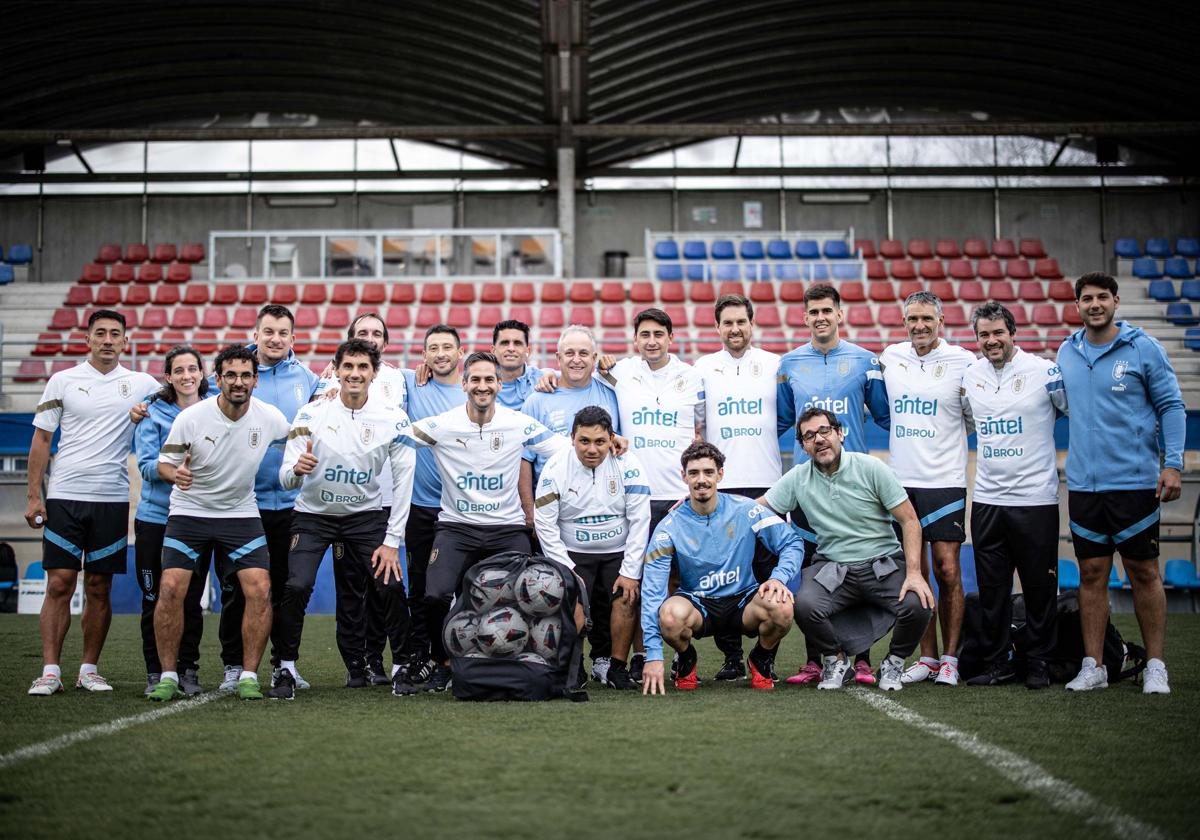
(512, 79)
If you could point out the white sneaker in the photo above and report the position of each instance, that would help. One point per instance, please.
(229, 684)
(947, 674)
(92, 682)
(1154, 678)
(301, 683)
(891, 674)
(46, 685)
(917, 672)
(833, 674)
(600, 669)
(1091, 676)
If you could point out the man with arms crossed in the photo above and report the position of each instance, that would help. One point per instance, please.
(928, 446)
(86, 510)
(1122, 389)
(211, 456)
(850, 498)
(1015, 398)
(593, 508)
(712, 538)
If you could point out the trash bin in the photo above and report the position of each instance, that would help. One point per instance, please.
(614, 263)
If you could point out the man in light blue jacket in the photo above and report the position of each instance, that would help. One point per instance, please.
(1122, 392)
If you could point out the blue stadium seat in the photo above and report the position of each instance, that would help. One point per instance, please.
(1181, 574)
(1160, 248)
(668, 250)
(1163, 290)
(1187, 247)
(751, 249)
(816, 271)
(1146, 268)
(808, 249)
(670, 271)
(728, 271)
(1181, 314)
(722, 249)
(20, 255)
(698, 271)
(1178, 268)
(847, 271)
(1191, 339)
(6, 274)
(836, 249)
(1190, 290)
(1127, 249)
(1068, 574)
(34, 571)
(787, 271)
(694, 249)
(777, 249)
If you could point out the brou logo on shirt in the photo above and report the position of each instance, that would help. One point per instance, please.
(482, 481)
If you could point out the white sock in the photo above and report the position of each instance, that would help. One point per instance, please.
(953, 660)
(170, 675)
(930, 661)
(1155, 663)
(1088, 662)
(248, 675)
(52, 671)
(395, 668)
(86, 668)
(289, 664)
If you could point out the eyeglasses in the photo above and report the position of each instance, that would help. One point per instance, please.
(232, 377)
(823, 431)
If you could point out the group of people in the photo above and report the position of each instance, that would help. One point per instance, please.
(659, 483)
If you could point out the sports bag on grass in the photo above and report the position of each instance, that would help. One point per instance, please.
(511, 632)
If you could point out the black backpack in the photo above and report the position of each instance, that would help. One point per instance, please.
(511, 632)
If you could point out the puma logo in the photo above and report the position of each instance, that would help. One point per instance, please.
(463, 441)
(211, 440)
(332, 429)
(572, 490)
(87, 390)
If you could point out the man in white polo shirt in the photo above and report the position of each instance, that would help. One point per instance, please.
(86, 510)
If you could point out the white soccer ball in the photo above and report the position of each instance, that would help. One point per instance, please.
(503, 632)
(461, 634)
(540, 590)
(544, 636)
(491, 587)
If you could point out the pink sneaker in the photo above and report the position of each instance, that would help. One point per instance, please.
(809, 674)
(863, 675)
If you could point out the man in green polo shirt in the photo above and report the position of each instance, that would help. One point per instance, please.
(854, 590)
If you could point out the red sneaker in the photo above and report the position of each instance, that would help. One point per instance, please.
(689, 683)
(863, 675)
(758, 681)
(809, 674)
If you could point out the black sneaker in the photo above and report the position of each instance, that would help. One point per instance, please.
(376, 675)
(284, 687)
(998, 673)
(355, 678)
(401, 686)
(420, 669)
(189, 683)
(733, 669)
(440, 679)
(1037, 676)
(618, 677)
(636, 663)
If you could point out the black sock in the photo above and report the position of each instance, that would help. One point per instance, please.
(614, 662)
(762, 658)
(687, 660)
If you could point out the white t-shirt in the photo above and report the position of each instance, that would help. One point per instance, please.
(225, 457)
(928, 437)
(92, 410)
(739, 408)
(356, 451)
(1014, 410)
(658, 415)
(480, 465)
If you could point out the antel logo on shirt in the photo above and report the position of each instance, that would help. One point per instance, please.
(713, 580)
(841, 406)
(730, 407)
(482, 481)
(999, 426)
(339, 474)
(914, 405)
(655, 417)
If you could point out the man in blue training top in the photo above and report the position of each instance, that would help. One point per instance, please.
(510, 343)
(1121, 389)
(712, 538)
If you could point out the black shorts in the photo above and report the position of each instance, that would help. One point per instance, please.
(237, 543)
(1116, 520)
(597, 569)
(457, 547)
(92, 536)
(942, 512)
(722, 616)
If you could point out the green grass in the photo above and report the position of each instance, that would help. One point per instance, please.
(724, 761)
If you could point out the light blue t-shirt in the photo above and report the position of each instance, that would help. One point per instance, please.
(557, 411)
(423, 401)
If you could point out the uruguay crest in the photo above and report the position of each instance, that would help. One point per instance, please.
(612, 487)
(497, 442)
(124, 389)
(255, 438)
(367, 433)
(1119, 369)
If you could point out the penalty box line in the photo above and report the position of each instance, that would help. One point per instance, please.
(1060, 794)
(101, 729)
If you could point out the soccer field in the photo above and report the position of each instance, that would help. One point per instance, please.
(724, 761)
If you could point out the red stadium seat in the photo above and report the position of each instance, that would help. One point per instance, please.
(184, 319)
(584, 316)
(698, 293)
(762, 292)
(881, 291)
(433, 292)
(933, 270)
(1031, 342)
(1047, 269)
(254, 294)
(976, 249)
(991, 270)
(244, 318)
(92, 273)
(156, 367)
(120, 273)
(155, 319)
(707, 342)
(919, 249)
(193, 295)
(903, 269)
(1003, 248)
(285, 294)
(225, 294)
(48, 344)
(639, 293)
(403, 293)
(427, 316)
(105, 295)
(64, 319)
(551, 316)
(336, 318)
(944, 290)
(163, 253)
(553, 292)
(793, 316)
(1018, 270)
(730, 287)
(1046, 315)
(178, 272)
(773, 341)
(344, 293)
(108, 253)
(328, 342)
(492, 293)
(955, 315)
(81, 296)
(458, 317)
(1001, 290)
(205, 341)
(965, 338)
(764, 316)
(947, 249)
(524, 314)
(1030, 291)
(860, 316)
(791, 292)
(76, 344)
(215, 318)
(1071, 316)
(30, 370)
(307, 318)
(891, 249)
(302, 345)
(671, 293)
(372, 294)
(522, 293)
(869, 339)
(1020, 314)
(1057, 335)
(909, 287)
(1060, 290)
(398, 318)
(488, 316)
(896, 336)
(962, 270)
(583, 291)
(890, 315)
(137, 296)
(612, 293)
(877, 270)
(137, 252)
(1032, 249)
(149, 273)
(314, 294)
(852, 292)
(191, 252)
(971, 291)
(614, 343)
(865, 248)
(317, 366)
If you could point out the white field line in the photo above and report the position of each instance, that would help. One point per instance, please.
(1060, 794)
(112, 727)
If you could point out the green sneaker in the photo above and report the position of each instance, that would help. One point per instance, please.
(165, 690)
(248, 689)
